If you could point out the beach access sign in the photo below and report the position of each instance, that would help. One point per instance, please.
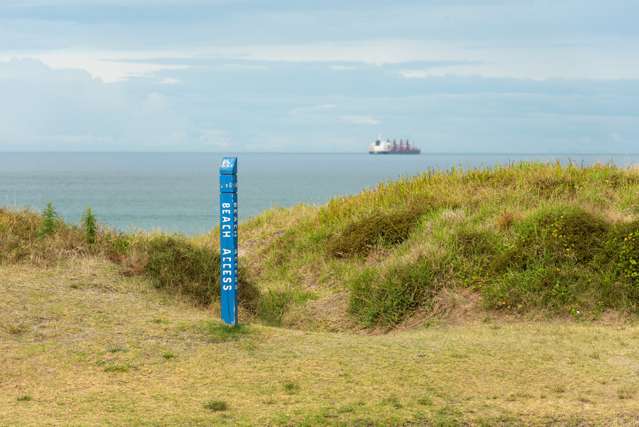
(228, 240)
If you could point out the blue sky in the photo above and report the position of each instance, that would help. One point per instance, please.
(309, 76)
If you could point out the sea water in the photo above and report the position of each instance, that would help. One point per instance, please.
(177, 192)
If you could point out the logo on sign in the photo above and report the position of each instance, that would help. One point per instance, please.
(226, 163)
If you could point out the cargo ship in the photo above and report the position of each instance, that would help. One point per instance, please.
(386, 146)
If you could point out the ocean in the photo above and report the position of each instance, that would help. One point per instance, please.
(177, 192)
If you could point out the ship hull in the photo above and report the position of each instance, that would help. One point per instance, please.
(387, 147)
(393, 153)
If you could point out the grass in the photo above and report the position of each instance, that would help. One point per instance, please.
(216, 405)
(378, 229)
(216, 332)
(524, 372)
(386, 300)
(501, 296)
(528, 239)
(173, 263)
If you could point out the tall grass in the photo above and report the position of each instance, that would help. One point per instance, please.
(526, 238)
(172, 262)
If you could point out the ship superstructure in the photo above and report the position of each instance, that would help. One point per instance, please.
(386, 146)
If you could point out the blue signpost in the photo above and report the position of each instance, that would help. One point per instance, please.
(228, 240)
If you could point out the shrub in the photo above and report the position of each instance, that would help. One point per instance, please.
(361, 236)
(386, 299)
(176, 265)
(89, 224)
(620, 260)
(628, 255)
(50, 221)
(553, 236)
(566, 260)
(184, 268)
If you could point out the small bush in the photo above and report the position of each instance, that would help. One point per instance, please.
(184, 268)
(176, 265)
(566, 260)
(618, 263)
(90, 226)
(50, 221)
(360, 237)
(628, 253)
(554, 236)
(386, 299)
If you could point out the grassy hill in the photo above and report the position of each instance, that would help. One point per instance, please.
(528, 239)
(498, 296)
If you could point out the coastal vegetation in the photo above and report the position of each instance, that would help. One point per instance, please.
(526, 240)
(490, 296)
(521, 240)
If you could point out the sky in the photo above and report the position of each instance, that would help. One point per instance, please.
(455, 76)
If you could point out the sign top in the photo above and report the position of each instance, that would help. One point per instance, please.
(228, 166)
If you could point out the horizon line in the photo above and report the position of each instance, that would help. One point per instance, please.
(433, 153)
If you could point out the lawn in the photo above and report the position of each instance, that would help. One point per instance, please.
(81, 344)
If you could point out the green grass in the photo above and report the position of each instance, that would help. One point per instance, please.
(525, 239)
(361, 237)
(216, 332)
(386, 299)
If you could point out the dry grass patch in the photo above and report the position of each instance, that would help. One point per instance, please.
(96, 355)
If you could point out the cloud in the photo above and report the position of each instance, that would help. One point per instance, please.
(308, 107)
(416, 59)
(312, 109)
(46, 109)
(170, 81)
(340, 67)
(360, 120)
